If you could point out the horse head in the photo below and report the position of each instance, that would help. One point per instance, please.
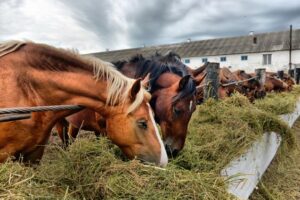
(174, 104)
(131, 126)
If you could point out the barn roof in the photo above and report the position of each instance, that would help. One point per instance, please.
(265, 42)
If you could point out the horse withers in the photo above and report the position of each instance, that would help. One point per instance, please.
(36, 74)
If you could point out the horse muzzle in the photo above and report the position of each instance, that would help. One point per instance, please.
(172, 153)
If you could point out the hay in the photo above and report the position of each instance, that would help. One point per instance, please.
(221, 131)
(279, 103)
(93, 169)
(282, 179)
(90, 170)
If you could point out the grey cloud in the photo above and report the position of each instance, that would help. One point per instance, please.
(131, 23)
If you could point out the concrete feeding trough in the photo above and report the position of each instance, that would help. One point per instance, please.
(246, 171)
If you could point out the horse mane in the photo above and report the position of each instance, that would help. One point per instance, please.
(200, 69)
(45, 57)
(156, 68)
(10, 46)
(170, 58)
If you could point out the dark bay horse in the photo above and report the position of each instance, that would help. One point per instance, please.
(36, 74)
(173, 98)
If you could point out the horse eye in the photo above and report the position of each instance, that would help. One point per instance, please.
(176, 111)
(142, 124)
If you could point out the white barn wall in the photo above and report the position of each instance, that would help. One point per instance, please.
(280, 60)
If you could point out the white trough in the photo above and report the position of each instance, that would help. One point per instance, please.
(247, 170)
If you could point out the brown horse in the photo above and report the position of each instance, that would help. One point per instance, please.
(173, 99)
(274, 84)
(35, 74)
(286, 78)
(251, 87)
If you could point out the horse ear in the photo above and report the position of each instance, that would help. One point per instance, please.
(183, 81)
(146, 81)
(136, 87)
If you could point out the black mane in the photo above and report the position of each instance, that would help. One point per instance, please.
(155, 68)
(171, 58)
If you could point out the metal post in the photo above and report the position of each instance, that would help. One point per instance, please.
(261, 75)
(212, 81)
(280, 74)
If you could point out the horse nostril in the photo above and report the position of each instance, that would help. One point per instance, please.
(175, 152)
(168, 150)
(172, 153)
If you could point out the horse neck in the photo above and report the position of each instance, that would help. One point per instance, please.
(59, 88)
(199, 70)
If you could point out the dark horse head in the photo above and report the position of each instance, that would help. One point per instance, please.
(173, 97)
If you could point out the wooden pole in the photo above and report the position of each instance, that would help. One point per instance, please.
(291, 46)
(280, 74)
(297, 75)
(291, 72)
(212, 81)
(261, 75)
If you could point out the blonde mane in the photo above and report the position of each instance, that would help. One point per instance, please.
(118, 85)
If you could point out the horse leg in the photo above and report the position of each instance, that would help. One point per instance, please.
(61, 128)
(35, 156)
(73, 132)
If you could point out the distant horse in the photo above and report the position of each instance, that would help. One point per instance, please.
(173, 99)
(274, 84)
(251, 87)
(286, 79)
(36, 74)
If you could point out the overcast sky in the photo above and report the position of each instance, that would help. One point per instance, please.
(94, 25)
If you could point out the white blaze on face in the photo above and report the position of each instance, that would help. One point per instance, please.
(163, 154)
(191, 105)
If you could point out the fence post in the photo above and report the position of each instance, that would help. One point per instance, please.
(212, 81)
(297, 75)
(261, 75)
(280, 74)
(291, 72)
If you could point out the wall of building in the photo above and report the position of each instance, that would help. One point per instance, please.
(280, 60)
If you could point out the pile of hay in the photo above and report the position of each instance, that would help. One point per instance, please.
(93, 169)
(279, 103)
(282, 179)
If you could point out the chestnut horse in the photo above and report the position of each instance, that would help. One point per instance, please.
(173, 100)
(251, 87)
(36, 74)
(286, 79)
(274, 84)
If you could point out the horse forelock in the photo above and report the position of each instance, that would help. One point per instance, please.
(187, 91)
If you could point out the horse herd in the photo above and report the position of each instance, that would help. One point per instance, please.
(122, 100)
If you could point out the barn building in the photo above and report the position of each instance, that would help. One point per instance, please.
(256, 50)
